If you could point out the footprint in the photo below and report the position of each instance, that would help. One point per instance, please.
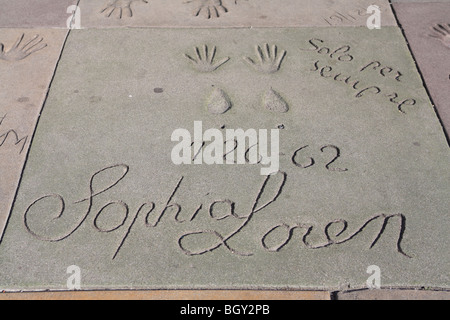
(273, 101)
(218, 102)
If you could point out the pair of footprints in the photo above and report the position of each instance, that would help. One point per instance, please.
(207, 8)
(219, 102)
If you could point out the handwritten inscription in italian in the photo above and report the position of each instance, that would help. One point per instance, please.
(361, 87)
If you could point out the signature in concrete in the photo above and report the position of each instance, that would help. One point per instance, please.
(195, 240)
(341, 17)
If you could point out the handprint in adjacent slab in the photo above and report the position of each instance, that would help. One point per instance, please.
(204, 62)
(208, 8)
(269, 60)
(123, 7)
(19, 51)
(442, 32)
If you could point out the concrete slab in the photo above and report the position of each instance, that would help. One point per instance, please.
(394, 295)
(35, 13)
(427, 27)
(169, 295)
(27, 62)
(230, 13)
(419, 1)
(363, 164)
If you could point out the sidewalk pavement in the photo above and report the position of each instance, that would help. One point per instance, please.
(93, 91)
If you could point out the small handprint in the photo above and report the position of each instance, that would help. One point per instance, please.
(122, 6)
(442, 32)
(18, 52)
(269, 60)
(209, 8)
(205, 62)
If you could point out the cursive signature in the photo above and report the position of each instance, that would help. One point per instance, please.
(272, 187)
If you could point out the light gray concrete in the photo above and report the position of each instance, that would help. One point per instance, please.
(363, 161)
(393, 295)
(35, 13)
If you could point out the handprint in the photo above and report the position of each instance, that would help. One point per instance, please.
(122, 6)
(269, 61)
(209, 8)
(442, 32)
(206, 63)
(18, 52)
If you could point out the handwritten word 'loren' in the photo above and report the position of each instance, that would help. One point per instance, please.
(331, 239)
(272, 187)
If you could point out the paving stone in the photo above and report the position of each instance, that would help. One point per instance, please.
(427, 27)
(27, 62)
(230, 13)
(35, 13)
(170, 295)
(363, 177)
(394, 295)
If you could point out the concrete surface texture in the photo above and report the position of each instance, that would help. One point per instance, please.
(393, 295)
(114, 149)
(35, 13)
(230, 13)
(100, 174)
(171, 295)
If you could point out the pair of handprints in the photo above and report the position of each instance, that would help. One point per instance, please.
(206, 8)
(268, 59)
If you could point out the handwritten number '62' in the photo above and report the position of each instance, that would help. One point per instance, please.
(311, 162)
